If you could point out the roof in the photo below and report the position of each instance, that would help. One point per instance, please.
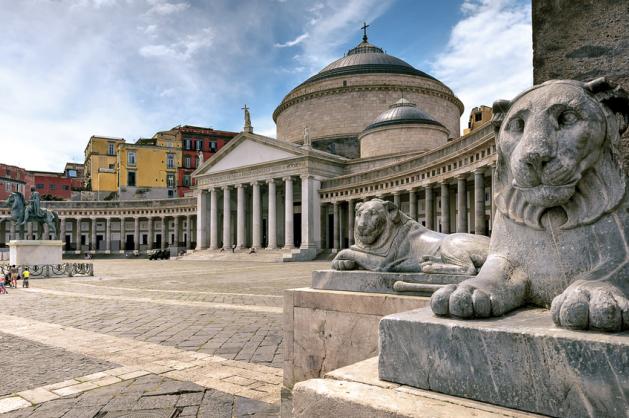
(402, 112)
(366, 58)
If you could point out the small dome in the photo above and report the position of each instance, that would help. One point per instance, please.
(402, 112)
(367, 58)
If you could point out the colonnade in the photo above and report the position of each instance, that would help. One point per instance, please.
(447, 206)
(112, 233)
(261, 221)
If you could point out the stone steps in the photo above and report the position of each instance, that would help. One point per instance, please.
(265, 256)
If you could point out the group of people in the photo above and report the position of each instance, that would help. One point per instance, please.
(11, 276)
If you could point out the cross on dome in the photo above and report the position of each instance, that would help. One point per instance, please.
(364, 28)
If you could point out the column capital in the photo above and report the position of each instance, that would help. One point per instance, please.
(226, 188)
(306, 176)
(462, 176)
(269, 181)
(287, 178)
(395, 192)
(255, 183)
(412, 190)
(240, 185)
(209, 189)
(445, 182)
(480, 170)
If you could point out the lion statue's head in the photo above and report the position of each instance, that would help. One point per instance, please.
(558, 147)
(374, 221)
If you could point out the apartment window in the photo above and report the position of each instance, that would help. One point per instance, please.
(170, 181)
(111, 166)
(197, 162)
(213, 146)
(170, 161)
(199, 144)
(7, 187)
(186, 161)
(186, 180)
(110, 149)
(71, 173)
(478, 117)
(131, 178)
(52, 186)
(131, 157)
(66, 187)
(39, 185)
(171, 193)
(187, 143)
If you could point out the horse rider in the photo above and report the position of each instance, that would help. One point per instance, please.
(35, 204)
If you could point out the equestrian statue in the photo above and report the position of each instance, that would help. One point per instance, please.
(22, 212)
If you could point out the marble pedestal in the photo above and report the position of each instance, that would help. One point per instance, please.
(521, 361)
(35, 252)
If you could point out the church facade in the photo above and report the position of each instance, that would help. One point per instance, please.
(367, 125)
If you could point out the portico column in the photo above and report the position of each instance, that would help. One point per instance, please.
(461, 204)
(177, 224)
(202, 228)
(213, 220)
(136, 233)
(93, 238)
(412, 204)
(492, 195)
(480, 227)
(77, 234)
(350, 221)
(335, 233)
(29, 230)
(288, 213)
(227, 233)
(123, 235)
(46, 232)
(240, 217)
(445, 207)
(108, 235)
(430, 208)
(151, 233)
(310, 213)
(256, 221)
(396, 198)
(61, 233)
(12, 230)
(164, 243)
(272, 220)
(188, 231)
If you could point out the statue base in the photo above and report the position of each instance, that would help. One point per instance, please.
(381, 282)
(521, 361)
(35, 252)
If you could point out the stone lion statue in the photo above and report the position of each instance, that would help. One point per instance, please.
(559, 239)
(388, 240)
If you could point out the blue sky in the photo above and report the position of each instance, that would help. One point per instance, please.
(129, 68)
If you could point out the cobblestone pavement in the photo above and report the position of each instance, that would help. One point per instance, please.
(185, 338)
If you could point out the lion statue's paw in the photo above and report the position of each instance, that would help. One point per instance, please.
(463, 301)
(591, 305)
(344, 264)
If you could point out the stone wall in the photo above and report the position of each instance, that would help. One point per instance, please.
(402, 138)
(330, 108)
(582, 40)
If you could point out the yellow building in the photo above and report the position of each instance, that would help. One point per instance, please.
(100, 164)
(478, 117)
(146, 171)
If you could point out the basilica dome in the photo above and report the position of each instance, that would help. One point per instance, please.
(402, 128)
(339, 102)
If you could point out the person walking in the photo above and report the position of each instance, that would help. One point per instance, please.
(14, 274)
(25, 276)
(3, 289)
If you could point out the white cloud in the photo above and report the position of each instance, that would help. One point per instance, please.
(489, 54)
(183, 48)
(162, 7)
(294, 42)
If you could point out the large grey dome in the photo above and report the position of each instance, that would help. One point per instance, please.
(402, 112)
(367, 58)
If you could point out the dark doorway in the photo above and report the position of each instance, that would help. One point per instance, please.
(158, 241)
(67, 246)
(297, 230)
(265, 232)
(99, 239)
(330, 230)
(129, 243)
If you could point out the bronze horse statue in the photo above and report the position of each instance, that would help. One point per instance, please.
(22, 213)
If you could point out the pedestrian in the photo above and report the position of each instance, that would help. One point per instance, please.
(25, 276)
(2, 282)
(14, 276)
(233, 248)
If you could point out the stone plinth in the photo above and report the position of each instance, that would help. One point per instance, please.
(355, 391)
(325, 330)
(35, 252)
(520, 361)
(378, 282)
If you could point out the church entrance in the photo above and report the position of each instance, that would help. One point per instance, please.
(297, 230)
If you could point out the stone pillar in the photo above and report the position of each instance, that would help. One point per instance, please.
(61, 234)
(350, 221)
(396, 198)
(29, 230)
(151, 232)
(202, 220)
(164, 234)
(445, 207)
(272, 220)
(123, 234)
(12, 231)
(136, 233)
(46, 233)
(77, 234)
(177, 224)
(188, 232)
(493, 194)
(108, 235)
(213, 220)
(93, 234)
(256, 221)
(335, 228)
(241, 223)
(412, 204)
(310, 213)
(480, 227)
(461, 204)
(430, 208)
(288, 213)
(227, 233)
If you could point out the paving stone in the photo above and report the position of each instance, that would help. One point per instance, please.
(12, 403)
